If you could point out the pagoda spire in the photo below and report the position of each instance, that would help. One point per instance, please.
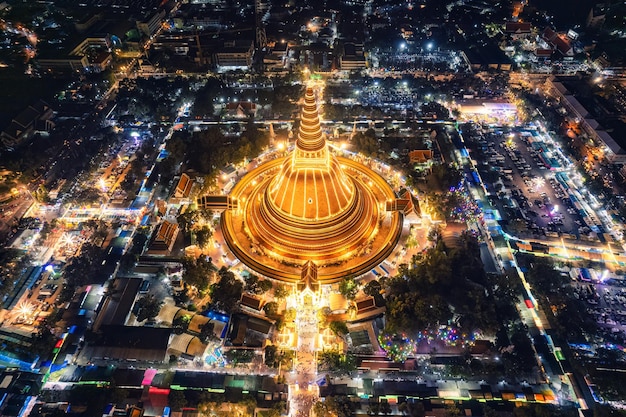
(310, 136)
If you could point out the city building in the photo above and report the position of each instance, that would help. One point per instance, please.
(558, 42)
(35, 117)
(17, 388)
(164, 239)
(353, 57)
(517, 30)
(234, 54)
(151, 23)
(183, 187)
(240, 109)
(614, 153)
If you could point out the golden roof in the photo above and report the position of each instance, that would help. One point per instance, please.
(311, 184)
(311, 206)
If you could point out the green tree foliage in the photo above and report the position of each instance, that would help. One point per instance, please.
(177, 400)
(226, 293)
(87, 197)
(256, 286)
(181, 323)
(205, 97)
(207, 333)
(209, 150)
(544, 277)
(149, 307)
(44, 340)
(203, 236)
(336, 362)
(555, 295)
(441, 281)
(334, 406)
(13, 263)
(366, 143)
(82, 268)
(281, 292)
(339, 328)
(236, 356)
(348, 287)
(443, 176)
(284, 96)
(290, 315)
(374, 288)
(275, 356)
(412, 409)
(197, 272)
(194, 219)
(271, 309)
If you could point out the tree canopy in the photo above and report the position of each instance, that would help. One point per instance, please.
(443, 285)
(226, 293)
(149, 307)
(197, 272)
(209, 150)
(348, 287)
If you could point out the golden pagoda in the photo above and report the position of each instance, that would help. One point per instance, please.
(311, 206)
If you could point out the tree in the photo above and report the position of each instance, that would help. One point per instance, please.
(149, 307)
(176, 400)
(239, 355)
(281, 292)
(334, 406)
(87, 197)
(348, 287)
(373, 408)
(334, 361)
(252, 283)
(271, 309)
(366, 143)
(339, 328)
(322, 316)
(181, 323)
(44, 340)
(207, 333)
(203, 236)
(197, 272)
(226, 293)
(544, 277)
(265, 285)
(385, 407)
(372, 288)
(83, 267)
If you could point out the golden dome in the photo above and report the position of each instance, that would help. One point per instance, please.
(311, 185)
(311, 206)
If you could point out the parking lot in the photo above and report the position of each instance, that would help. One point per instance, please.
(605, 297)
(525, 175)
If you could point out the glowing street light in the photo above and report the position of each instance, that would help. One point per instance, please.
(24, 310)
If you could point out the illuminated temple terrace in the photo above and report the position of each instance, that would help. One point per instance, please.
(311, 205)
